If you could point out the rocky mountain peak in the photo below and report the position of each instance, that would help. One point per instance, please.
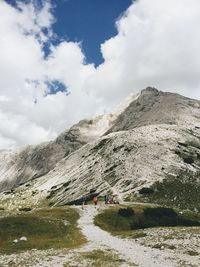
(150, 89)
(157, 107)
(152, 136)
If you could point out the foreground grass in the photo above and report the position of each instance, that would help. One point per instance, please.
(44, 229)
(100, 258)
(110, 220)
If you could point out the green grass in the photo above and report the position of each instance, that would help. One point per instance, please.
(44, 229)
(109, 220)
(99, 258)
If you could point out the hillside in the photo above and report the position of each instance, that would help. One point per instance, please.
(32, 162)
(152, 141)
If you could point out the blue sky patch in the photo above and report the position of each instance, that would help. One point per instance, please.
(90, 22)
(56, 86)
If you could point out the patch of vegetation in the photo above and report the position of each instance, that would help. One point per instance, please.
(158, 246)
(128, 198)
(160, 216)
(67, 184)
(101, 144)
(159, 212)
(99, 258)
(118, 148)
(194, 143)
(128, 148)
(25, 209)
(188, 160)
(186, 156)
(183, 144)
(44, 229)
(111, 168)
(188, 151)
(127, 212)
(192, 253)
(181, 191)
(143, 217)
(146, 191)
(53, 192)
(111, 178)
(109, 220)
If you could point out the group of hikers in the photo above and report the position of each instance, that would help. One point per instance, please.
(111, 200)
(107, 200)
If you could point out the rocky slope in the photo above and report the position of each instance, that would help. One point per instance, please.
(147, 150)
(156, 107)
(31, 162)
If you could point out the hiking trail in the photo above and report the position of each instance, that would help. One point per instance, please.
(127, 249)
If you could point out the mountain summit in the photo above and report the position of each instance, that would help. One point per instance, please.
(148, 149)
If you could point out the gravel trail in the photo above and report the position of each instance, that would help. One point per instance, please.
(128, 249)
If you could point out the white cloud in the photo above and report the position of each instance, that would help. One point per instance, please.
(28, 114)
(157, 44)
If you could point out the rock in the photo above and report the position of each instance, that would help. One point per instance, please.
(23, 238)
(15, 241)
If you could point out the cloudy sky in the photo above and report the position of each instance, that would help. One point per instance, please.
(62, 61)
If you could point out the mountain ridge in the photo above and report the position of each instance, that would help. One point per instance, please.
(154, 137)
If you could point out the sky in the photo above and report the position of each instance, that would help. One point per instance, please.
(63, 61)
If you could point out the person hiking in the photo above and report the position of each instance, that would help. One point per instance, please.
(95, 200)
(106, 199)
(111, 200)
(83, 200)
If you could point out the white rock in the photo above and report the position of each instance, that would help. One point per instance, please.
(15, 241)
(23, 238)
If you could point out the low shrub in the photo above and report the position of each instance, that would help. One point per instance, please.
(140, 223)
(188, 222)
(160, 212)
(146, 191)
(25, 209)
(156, 217)
(121, 221)
(128, 212)
(188, 160)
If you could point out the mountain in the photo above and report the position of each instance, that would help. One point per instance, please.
(31, 162)
(148, 149)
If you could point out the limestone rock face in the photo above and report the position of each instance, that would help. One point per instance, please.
(156, 107)
(32, 162)
(151, 141)
(20, 166)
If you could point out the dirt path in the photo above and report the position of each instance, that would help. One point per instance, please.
(128, 249)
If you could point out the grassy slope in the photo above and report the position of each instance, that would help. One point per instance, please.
(181, 191)
(109, 220)
(44, 229)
